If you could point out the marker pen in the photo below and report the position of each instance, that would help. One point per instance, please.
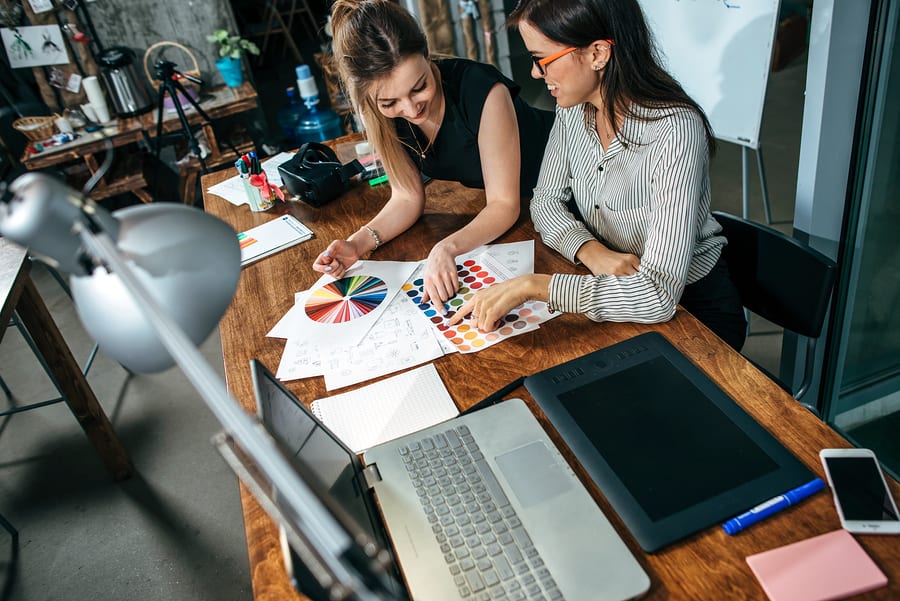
(772, 506)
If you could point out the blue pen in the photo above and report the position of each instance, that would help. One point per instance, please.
(764, 510)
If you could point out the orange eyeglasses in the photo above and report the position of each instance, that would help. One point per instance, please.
(541, 63)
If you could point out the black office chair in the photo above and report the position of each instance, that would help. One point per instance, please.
(782, 280)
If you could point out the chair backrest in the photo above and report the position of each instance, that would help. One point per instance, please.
(778, 277)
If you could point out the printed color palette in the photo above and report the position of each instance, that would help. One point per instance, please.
(474, 275)
(345, 299)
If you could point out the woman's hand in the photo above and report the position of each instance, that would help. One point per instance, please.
(603, 261)
(337, 258)
(441, 278)
(489, 306)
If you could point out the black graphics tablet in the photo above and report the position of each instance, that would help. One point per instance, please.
(668, 448)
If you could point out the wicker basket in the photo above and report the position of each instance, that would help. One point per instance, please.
(36, 129)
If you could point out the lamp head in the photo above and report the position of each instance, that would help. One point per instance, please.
(188, 261)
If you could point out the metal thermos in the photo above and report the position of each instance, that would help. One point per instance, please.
(126, 86)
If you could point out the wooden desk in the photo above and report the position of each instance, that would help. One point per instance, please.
(20, 294)
(708, 565)
(128, 175)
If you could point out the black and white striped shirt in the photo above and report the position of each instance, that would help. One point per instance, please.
(650, 199)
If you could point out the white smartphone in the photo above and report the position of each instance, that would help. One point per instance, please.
(861, 495)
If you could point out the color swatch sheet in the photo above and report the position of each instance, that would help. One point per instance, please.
(325, 329)
(397, 338)
(340, 312)
(475, 273)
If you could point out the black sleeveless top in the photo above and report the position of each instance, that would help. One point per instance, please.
(454, 155)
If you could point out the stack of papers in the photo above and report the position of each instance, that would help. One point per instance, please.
(372, 322)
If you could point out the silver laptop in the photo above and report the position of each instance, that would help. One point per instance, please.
(481, 506)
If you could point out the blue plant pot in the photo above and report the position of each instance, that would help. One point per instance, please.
(231, 71)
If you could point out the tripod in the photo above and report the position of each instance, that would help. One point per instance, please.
(169, 78)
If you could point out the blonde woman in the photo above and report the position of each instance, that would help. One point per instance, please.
(449, 119)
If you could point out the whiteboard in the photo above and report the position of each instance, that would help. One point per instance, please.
(720, 52)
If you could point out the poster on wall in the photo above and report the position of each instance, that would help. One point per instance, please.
(34, 46)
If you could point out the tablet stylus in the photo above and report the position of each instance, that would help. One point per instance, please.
(496, 397)
(764, 510)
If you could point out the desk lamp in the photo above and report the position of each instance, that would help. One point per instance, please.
(149, 283)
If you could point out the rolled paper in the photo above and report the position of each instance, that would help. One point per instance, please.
(102, 111)
(89, 112)
(94, 91)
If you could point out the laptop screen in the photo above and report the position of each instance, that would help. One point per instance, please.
(305, 439)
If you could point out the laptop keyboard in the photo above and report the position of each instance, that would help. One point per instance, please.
(487, 550)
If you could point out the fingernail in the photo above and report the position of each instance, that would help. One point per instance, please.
(328, 268)
(327, 254)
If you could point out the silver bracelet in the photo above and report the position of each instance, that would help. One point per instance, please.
(375, 237)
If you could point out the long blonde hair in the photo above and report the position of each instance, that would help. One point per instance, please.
(371, 37)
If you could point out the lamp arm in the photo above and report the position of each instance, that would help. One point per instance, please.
(320, 529)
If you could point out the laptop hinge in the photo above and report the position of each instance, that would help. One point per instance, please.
(371, 475)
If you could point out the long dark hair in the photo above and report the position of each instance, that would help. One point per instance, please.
(634, 73)
(371, 37)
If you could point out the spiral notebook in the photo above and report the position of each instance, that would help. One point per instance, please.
(387, 409)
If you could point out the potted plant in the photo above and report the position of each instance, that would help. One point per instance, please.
(231, 48)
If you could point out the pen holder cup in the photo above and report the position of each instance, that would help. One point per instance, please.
(256, 200)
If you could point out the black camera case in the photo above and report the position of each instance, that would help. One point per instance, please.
(316, 175)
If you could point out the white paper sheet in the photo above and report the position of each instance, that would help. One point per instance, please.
(387, 409)
(400, 339)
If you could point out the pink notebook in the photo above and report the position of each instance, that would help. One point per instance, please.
(825, 567)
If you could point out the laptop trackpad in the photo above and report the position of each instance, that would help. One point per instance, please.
(534, 474)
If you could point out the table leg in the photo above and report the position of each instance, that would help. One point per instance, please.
(72, 383)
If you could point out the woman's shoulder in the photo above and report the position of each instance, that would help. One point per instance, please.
(458, 67)
(675, 116)
(472, 77)
(662, 122)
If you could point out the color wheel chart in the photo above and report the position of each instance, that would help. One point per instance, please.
(475, 274)
(345, 299)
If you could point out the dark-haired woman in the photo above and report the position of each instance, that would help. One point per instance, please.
(450, 119)
(631, 149)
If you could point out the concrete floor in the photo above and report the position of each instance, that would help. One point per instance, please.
(175, 531)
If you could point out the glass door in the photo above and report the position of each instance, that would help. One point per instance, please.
(862, 369)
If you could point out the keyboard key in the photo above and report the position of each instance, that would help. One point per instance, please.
(476, 583)
(504, 570)
(453, 439)
(514, 555)
(491, 482)
(522, 538)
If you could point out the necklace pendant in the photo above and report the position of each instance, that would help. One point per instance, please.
(422, 154)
